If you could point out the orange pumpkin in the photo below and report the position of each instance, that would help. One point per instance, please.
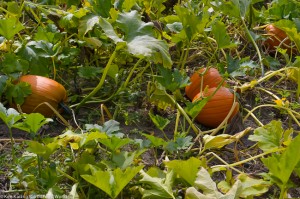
(276, 36)
(43, 90)
(217, 107)
(211, 78)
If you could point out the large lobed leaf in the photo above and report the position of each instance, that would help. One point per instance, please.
(209, 188)
(186, 169)
(139, 37)
(160, 187)
(282, 165)
(112, 181)
(269, 136)
(9, 27)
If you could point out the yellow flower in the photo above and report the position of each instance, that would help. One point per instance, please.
(282, 102)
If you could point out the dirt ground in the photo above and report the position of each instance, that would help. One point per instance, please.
(247, 100)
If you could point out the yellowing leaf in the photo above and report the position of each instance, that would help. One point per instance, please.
(74, 146)
(221, 140)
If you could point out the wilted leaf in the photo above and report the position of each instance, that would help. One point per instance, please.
(221, 140)
(69, 137)
(252, 186)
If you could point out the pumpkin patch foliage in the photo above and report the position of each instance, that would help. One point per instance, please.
(189, 99)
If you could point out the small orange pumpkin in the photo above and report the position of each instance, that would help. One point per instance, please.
(211, 78)
(217, 107)
(43, 90)
(276, 36)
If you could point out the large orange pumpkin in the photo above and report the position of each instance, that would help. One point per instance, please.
(217, 107)
(276, 36)
(43, 90)
(211, 78)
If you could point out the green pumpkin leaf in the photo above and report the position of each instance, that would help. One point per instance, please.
(101, 7)
(92, 136)
(114, 143)
(89, 72)
(290, 29)
(159, 121)
(18, 92)
(112, 182)
(268, 136)
(13, 8)
(186, 169)
(87, 23)
(220, 33)
(235, 8)
(110, 127)
(43, 48)
(156, 141)
(9, 27)
(172, 80)
(41, 149)
(109, 30)
(3, 80)
(159, 187)
(12, 64)
(140, 38)
(192, 24)
(159, 96)
(194, 108)
(123, 159)
(9, 116)
(32, 122)
(282, 165)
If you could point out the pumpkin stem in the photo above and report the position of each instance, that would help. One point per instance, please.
(101, 82)
(181, 110)
(103, 107)
(255, 46)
